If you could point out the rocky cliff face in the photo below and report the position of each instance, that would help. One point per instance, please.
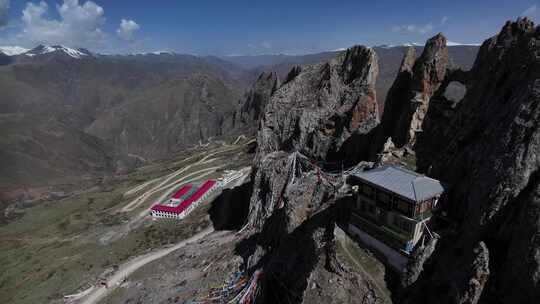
(397, 104)
(409, 97)
(293, 202)
(175, 115)
(487, 147)
(293, 211)
(322, 106)
(248, 115)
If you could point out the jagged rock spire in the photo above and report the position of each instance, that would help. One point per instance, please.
(322, 105)
(250, 111)
(409, 97)
(487, 150)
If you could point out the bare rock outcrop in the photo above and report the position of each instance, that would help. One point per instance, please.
(397, 103)
(488, 148)
(310, 117)
(409, 97)
(250, 111)
(322, 106)
(293, 211)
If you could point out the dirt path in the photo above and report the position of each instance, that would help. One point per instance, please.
(126, 269)
(114, 235)
(240, 137)
(168, 177)
(163, 184)
(140, 187)
(143, 197)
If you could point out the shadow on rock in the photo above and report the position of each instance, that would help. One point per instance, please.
(229, 211)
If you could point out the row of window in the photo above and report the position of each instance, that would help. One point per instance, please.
(403, 224)
(398, 204)
(368, 208)
(399, 222)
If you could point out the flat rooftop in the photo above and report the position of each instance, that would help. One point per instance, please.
(403, 182)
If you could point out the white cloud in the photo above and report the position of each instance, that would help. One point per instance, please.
(127, 29)
(78, 25)
(266, 45)
(426, 29)
(444, 20)
(413, 29)
(531, 11)
(4, 8)
(260, 46)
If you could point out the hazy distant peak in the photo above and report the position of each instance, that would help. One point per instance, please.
(13, 50)
(46, 49)
(413, 44)
(152, 53)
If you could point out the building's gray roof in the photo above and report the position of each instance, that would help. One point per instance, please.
(403, 182)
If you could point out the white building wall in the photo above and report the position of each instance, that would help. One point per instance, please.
(160, 214)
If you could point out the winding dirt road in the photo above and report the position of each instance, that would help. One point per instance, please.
(165, 183)
(98, 293)
(168, 183)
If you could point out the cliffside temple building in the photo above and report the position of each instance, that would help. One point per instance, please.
(392, 210)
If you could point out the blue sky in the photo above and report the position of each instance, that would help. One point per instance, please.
(250, 27)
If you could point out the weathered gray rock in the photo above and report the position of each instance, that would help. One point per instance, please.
(409, 98)
(320, 108)
(488, 149)
(462, 281)
(415, 266)
(295, 70)
(291, 222)
(250, 111)
(397, 104)
(293, 202)
(281, 179)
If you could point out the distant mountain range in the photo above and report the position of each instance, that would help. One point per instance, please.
(66, 113)
(13, 50)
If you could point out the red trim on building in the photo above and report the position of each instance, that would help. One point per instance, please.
(181, 192)
(187, 202)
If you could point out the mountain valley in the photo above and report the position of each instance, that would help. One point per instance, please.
(92, 143)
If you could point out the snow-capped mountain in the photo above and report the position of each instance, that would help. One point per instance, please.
(13, 50)
(415, 44)
(452, 43)
(149, 53)
(47, 49)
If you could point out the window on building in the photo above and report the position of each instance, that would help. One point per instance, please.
(367, 190)
(403, 224)
(408, 226)
(371, 209)
(383, 197)
(403, 206)
(395, 221)
(362, 205)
